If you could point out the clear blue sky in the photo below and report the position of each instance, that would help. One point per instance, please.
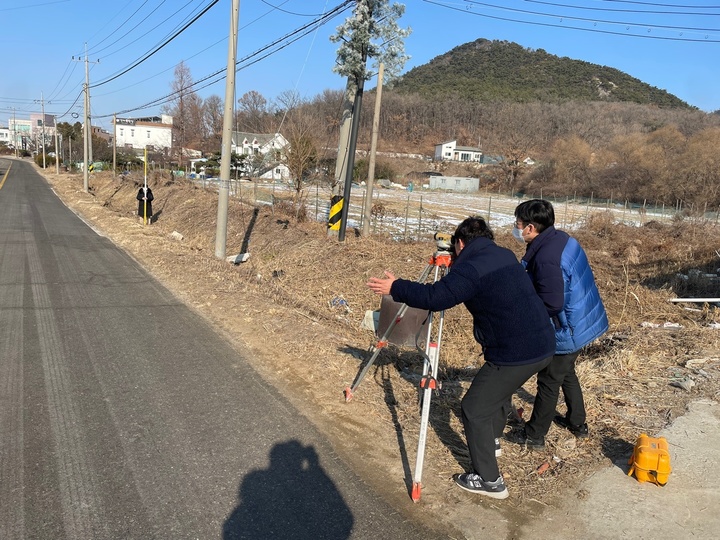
(41, 37)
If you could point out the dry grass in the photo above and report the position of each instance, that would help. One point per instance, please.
(281, 305)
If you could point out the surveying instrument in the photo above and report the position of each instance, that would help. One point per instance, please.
(437, 267)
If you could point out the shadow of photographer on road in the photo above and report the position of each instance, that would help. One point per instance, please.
(292, 498)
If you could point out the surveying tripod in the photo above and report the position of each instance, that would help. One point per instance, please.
(438, 266)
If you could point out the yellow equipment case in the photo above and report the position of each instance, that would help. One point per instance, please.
(650, 461)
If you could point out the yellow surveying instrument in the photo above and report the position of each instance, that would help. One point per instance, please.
(437, 267)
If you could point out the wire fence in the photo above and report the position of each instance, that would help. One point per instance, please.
(411, 215)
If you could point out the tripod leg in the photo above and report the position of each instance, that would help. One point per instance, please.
(427, 384)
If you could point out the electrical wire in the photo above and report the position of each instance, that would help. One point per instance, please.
(566, 27)
(154, 51)
(654, 4)
(611, 10)
(219, 75)
(585, 19)
(96, 52)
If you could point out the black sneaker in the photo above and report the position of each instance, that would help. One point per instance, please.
(474, 484)
(581, 431)
(520, 437)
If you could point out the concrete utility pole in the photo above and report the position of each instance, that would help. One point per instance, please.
(87, 128)
(15, 141)
(226, 152)
(351, 158)
(373, 149)
(57, 148)
(86, 133)
(42, 106)
(335, 214)
(114, 144)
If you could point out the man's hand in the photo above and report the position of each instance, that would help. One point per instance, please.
(382, 285)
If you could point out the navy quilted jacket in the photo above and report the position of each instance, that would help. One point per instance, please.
(561, 273)
(509, 320)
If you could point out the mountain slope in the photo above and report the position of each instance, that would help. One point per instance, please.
(486, 70)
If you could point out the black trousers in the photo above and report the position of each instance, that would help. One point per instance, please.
(485, 408)
(560, 373)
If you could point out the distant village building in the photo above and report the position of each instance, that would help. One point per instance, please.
(153, 132)
(6, 136)
(267, 152)
(22, 133)
(42, 126)
(450, 151)
(461, 184)
(249, 144)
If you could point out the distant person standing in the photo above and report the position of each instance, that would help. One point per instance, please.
(145, 198)
(561, 274)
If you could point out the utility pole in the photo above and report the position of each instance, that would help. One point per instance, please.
(15, 142)
(226, 151)
(87, 131)
(42, 107)
(336, 202)
(57, 148)
(373, 149)
(114, 144)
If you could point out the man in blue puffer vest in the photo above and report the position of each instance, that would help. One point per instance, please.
(510, 323)
(564, 281)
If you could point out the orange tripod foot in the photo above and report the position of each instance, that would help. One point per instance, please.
(416, 489)
(348, 394)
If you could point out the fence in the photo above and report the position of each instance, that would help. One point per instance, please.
(412, 215)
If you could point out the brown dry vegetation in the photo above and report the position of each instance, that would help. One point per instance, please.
(278, 305)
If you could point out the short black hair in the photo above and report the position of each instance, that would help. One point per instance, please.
(539, 212)
(471, 228)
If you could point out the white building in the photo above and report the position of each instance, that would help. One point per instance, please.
(6, 136)
(450, 151)
(21, 131)
(269, 146)
(138, 133)
(257, 143)
(463, 184)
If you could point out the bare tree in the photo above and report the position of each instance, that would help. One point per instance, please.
(213, 121)
(182, 107)
(253, 113)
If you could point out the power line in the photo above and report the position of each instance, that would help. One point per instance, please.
(288, 39)
(151, 53)
(95, 52)
(567, 27)
(612, 10)
(585, 19)
(654, 4)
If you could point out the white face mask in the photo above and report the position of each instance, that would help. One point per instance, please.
(517, 234)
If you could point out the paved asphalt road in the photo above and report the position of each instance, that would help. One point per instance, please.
(124, 415)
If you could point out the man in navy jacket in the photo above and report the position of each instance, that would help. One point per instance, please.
(509, 321)
(564, 281)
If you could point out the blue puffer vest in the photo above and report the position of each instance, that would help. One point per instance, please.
(561, 273)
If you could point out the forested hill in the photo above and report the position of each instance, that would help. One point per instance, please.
(504, 71)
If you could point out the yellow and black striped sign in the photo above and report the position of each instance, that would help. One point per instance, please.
(336, 204)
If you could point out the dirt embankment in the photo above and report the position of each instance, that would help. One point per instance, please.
(296, 305)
